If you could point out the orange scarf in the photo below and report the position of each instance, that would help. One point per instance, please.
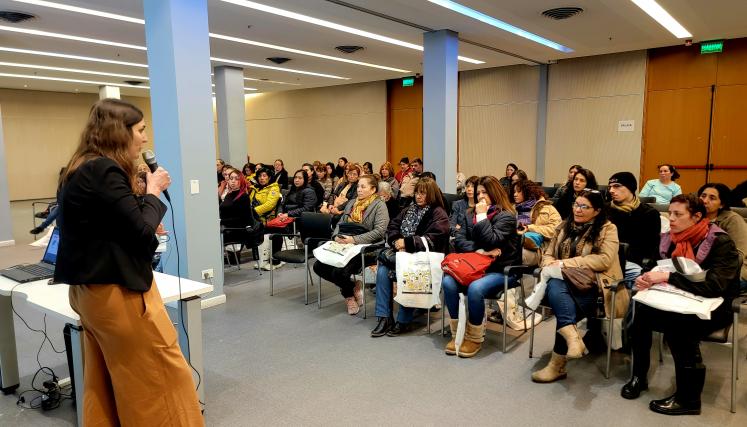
(356, 214)
(685, 240)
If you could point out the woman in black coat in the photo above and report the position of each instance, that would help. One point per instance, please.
(426, 218)
(301, 198)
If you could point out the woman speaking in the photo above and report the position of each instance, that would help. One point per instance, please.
(134, 371)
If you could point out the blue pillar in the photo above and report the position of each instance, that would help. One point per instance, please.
(176, 32)
(440, 74)
(6, 226)
(229, 107)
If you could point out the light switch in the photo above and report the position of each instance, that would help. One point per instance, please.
(194, 186)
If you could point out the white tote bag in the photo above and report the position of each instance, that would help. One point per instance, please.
(419, 278)
(337, 254)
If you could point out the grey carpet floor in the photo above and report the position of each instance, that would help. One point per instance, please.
(271, 360)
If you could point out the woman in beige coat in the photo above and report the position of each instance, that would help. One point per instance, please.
(537, 219)
(586, 244)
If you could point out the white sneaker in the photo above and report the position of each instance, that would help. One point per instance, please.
(267, 266)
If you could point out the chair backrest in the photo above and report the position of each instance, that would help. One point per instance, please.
(741, 211)
(316, 225)
(602, 188)
(557, 185)
(450, 198)
(649, 200)
(661, 207)
(622, 253)
(550, 191)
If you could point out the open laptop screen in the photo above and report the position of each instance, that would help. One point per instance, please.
(50, 255)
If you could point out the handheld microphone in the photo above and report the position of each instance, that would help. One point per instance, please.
(150, 159)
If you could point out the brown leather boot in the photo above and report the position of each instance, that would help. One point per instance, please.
(555, 370)
(473, 338)
(576, 346)
(451, 346)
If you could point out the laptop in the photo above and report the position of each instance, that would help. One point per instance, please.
(39, 271)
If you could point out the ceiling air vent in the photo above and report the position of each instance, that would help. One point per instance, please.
(133, 82)
(278, 59)
(559, 13)
(15, 17)
(349, 49)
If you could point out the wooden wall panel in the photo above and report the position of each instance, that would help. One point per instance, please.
(404, 121)
(729, 141)
(680, 67)
(732, 63)
(594, 76)
(493, 86)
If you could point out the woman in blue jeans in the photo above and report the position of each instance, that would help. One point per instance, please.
(490, 229)
(426, 218)
(584, 240)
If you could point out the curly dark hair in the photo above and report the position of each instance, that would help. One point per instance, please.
(597, 202)
(529, 189)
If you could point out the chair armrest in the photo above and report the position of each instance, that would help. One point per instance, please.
(736, 304)
(284, 234)
(315, 239)
(372, 248)
(517, 269)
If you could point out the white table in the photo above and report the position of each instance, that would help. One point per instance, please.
(53, 300)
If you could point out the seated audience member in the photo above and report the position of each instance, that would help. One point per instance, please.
(386, 172)
(249, 170)
(345, 191)
(369, 212)
(265, 195)
(490, 228)
(367, 168)
(404, 169)
(425, 218)
(235, 209)
(691, 236)
(458, 216)
(325, 180)
(385, 193)
(586, 240)
(330, 167)
(715, 197)
(301, 198)
(536, 217)
(219, 163)
(511, 169)
(223, 188)
(519, 175)
(341, 169)
(583, 179)
(280, 174)
(663, 188)
(407, 189)
(461, 180)
(314, 184)
(637, 223)
(569, 182)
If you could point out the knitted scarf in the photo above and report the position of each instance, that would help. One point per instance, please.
(524, 209)
(412, 219)
(359, 207)
(627, 207)
(686, 239)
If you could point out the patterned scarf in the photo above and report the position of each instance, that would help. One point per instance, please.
(573, 243)
(356, 214)
(524, 209)
(627, 207)
(686, 239)
(412, 219)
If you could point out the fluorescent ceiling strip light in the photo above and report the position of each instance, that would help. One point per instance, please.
(654, 10)
(213, 35)
(82, 10)
(71, 70)
(60, 79)
(497, 23)
(304, 52)
(269, 67)
(334, 26)
(66, 56)
(271, 81)
(69, 37)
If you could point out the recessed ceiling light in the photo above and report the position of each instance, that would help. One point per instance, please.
(60, 79)
(69, 37)
(66, 56)
(70, 70)
(270, 67)
(334, 26)
(654, 10)
(15, 17)
(82, 10)
(497, 23)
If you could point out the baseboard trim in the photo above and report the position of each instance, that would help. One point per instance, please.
(7, 243)
(212, 302)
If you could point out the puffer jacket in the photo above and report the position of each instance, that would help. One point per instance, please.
(299, 201)
(488, 234)
(265, 200)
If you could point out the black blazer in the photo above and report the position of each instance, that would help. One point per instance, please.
(106, 235)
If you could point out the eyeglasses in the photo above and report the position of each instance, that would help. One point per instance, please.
(582, 207)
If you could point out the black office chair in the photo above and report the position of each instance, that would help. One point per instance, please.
(648, 200)
(250, 237)
(661, 207)
(550, 191)
(450, 198)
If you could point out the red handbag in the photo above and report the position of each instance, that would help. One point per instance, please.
(278, 222)
(467, 267)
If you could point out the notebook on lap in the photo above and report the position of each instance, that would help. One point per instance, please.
(39, 271)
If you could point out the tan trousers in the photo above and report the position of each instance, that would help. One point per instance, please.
(134, 372)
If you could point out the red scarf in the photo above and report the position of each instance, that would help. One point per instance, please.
(685, 240)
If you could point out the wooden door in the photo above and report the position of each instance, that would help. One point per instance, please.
(404, 121)
(729, 139)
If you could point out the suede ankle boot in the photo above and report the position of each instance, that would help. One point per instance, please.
(473, 338)
(576, 347)
(451, 346)
(555, 370)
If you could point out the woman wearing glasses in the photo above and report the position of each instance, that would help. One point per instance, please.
(585, 242)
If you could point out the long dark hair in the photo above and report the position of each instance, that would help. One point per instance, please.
(591, 180)
(529, 189)
(305, 181)
(724, 194)
(496, 193)
(675, 174)
(597, 203)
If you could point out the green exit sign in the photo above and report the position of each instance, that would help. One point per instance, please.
(408, 81)
(715, 46)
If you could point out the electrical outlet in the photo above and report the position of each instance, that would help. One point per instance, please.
(207, 274)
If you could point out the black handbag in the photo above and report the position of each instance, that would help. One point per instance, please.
(352, 229)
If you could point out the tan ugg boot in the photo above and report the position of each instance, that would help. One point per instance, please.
(555, 370)
(473, 338)
(576, 346)
(451, 346)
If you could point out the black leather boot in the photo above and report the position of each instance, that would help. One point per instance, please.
(634, 387)
(399, 329)
(384, 325)
(686, 400)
